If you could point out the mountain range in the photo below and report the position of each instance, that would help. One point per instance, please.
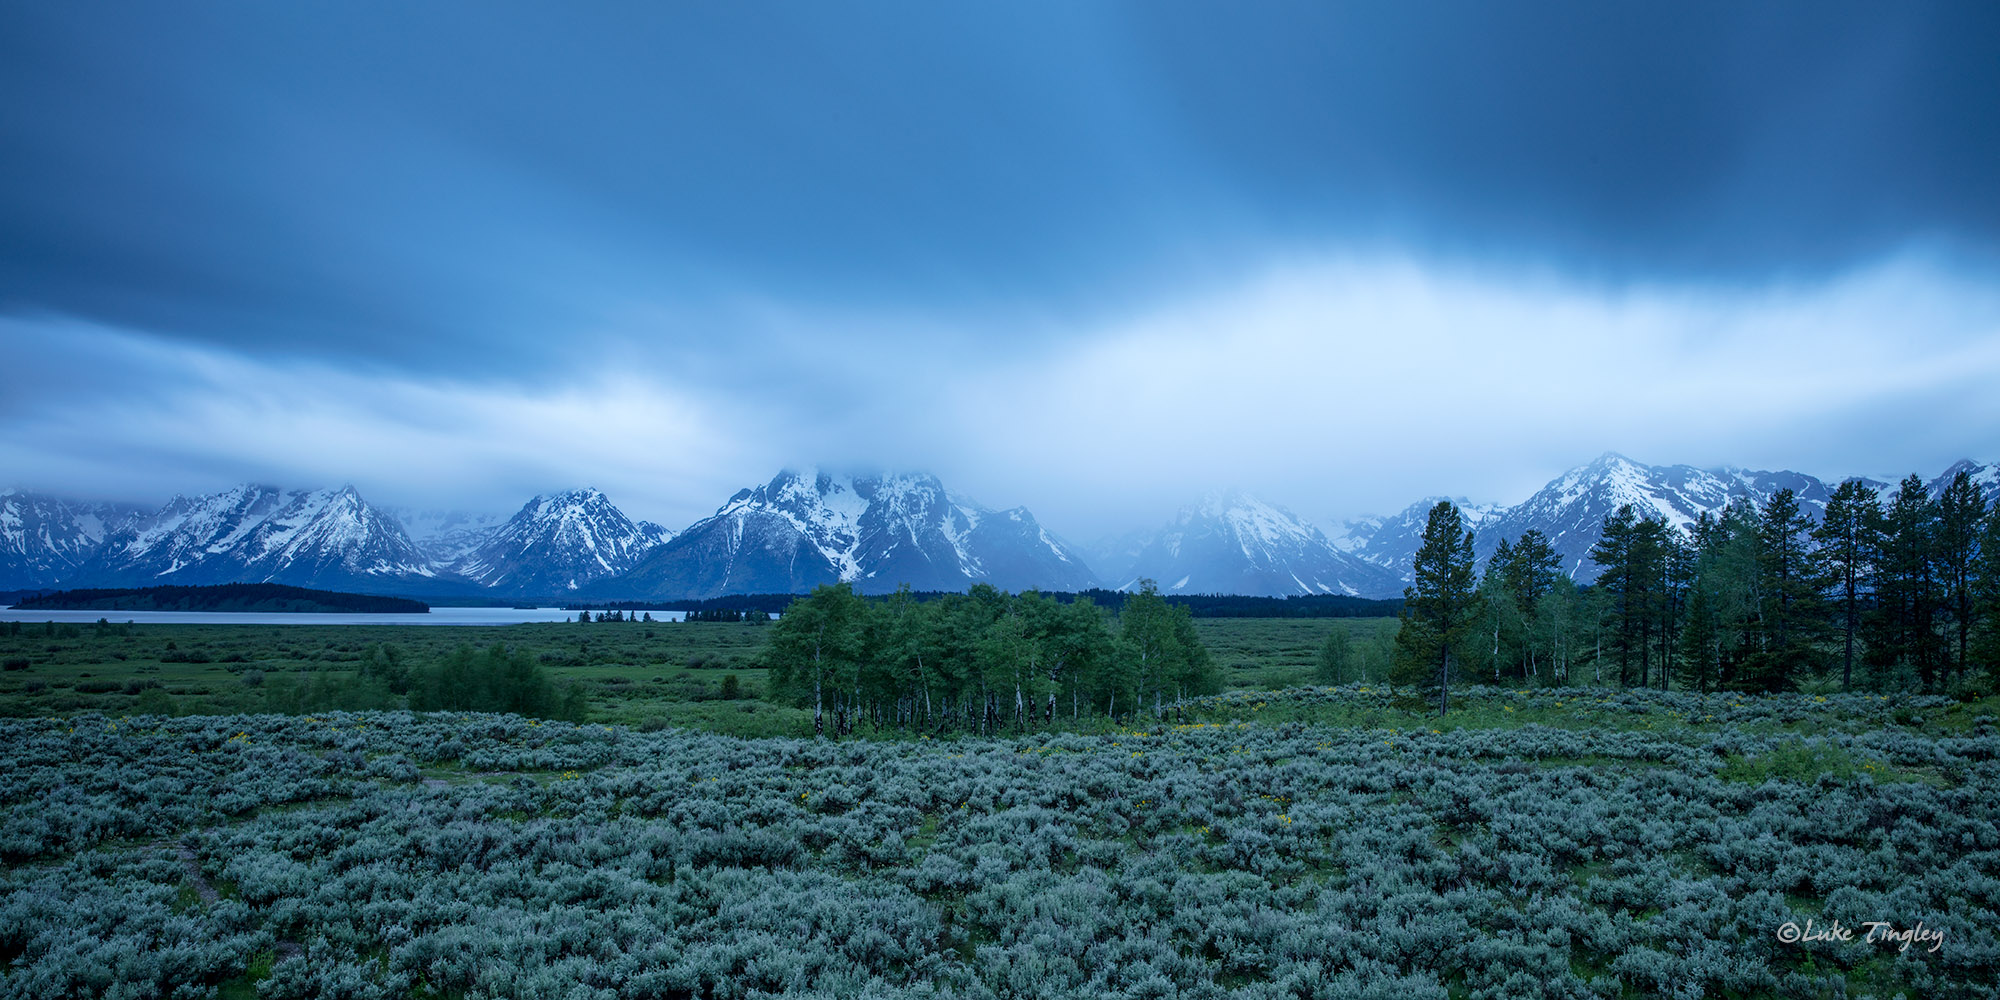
(808, 527)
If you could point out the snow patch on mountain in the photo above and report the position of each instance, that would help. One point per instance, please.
(557, 543)
(260, 534)
(807, 527)
(1233, 543)
(1985, 476)
(43, 539)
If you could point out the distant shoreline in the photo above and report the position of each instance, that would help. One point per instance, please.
(228, 597)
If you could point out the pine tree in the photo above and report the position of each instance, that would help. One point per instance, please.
(1637, 556)
(1961, 513)
(1677, 570)
(1719, 595)
(1902, 631)
(1618, 581)
(1701, 641)
(1441, 607)
(1788, 583)
(1533, 570)
(1986, 591)
(1850, 542)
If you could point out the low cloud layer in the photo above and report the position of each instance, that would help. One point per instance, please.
(1334, 385)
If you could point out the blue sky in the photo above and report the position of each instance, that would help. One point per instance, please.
(1093, 258)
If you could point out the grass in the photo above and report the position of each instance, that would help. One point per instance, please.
(658, 674)
(1274, 653)
(631, 672)
(639, 674)
(1805, 762)
(244, 987)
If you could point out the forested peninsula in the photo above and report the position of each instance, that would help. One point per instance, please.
(255, 597)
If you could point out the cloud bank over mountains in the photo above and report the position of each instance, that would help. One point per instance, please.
(1083, 259)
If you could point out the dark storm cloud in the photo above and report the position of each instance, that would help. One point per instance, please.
(414, 182)
(1071, 255)
(1704, 139)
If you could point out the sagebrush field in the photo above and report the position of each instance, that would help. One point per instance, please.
(1556, 843)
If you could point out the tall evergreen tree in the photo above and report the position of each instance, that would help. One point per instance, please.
(1534, 569)
(1850, 542)
(1619, 580)
(1961, 513)
(1986, 591)
(1788, 583)
(1441, 606)
(1677, 569)
(1640, 563)
(1903, 635)
(1701, 639)
(1719, 591)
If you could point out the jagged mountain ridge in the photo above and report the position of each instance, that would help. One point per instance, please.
(333, 539)
(1570, 510)
(557, 543)
(1985, 476)
(330, 539)
(44, 539)
(1391, 542)
(803, 529)
(806, 528)
(1234, 543)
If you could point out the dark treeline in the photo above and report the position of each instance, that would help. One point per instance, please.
(726, 615)
(1895, 593)
(983, 660)
(265, 597)
(1243, 606)
(768, 603)
(704, 615)
(1198, 605)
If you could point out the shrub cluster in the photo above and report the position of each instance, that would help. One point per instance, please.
(492, 855)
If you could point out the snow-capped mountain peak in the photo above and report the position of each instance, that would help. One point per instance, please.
(877, 531)
(558, 542)
(1985, 477)
(43, 539)
(1391, 541)
(254, 533)
(1230, 542)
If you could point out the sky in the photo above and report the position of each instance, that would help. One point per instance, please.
(1093, 258)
